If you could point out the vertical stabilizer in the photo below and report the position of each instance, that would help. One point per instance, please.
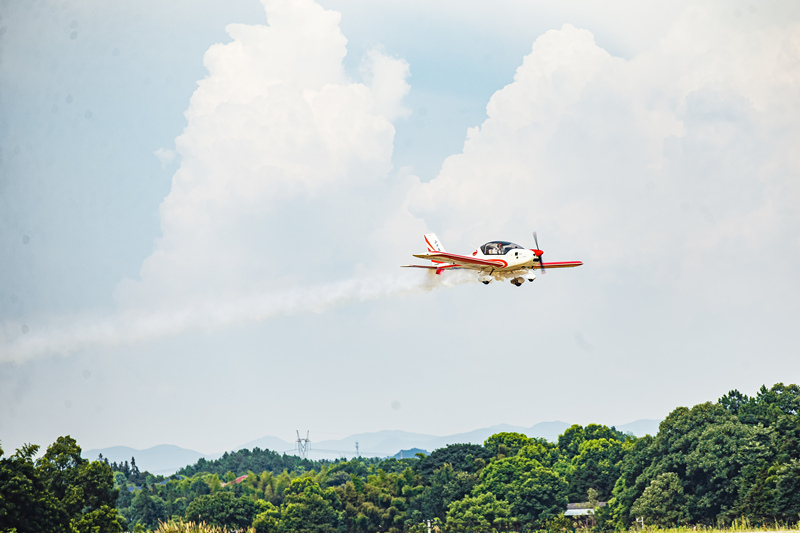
(433, 243)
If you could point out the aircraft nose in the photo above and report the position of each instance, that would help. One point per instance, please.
(537, 253)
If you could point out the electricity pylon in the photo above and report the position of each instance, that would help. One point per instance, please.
(302, 445)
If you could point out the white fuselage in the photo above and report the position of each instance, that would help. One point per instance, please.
(511, 260)
(514, 263)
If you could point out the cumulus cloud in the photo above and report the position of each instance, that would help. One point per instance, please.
(675, 163)
(276, 131)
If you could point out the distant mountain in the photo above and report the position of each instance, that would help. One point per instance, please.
(640, 428)
(548, 430)
(477, 436)
(163, 459)
(408, 454)
(385, 443)
(270, 443)
(377, 444)
(166, 459)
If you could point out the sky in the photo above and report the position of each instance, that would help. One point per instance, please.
(204, 207)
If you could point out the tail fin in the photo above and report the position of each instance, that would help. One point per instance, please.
(433, 243)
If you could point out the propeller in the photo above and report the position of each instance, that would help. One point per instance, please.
(538, 252)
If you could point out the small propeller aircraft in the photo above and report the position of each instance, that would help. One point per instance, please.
(495, 260)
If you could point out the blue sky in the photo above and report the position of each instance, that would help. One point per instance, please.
(202, 223)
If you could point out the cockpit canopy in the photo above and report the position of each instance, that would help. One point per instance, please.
(499, 247)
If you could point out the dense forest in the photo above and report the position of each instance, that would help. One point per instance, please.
(708, 465)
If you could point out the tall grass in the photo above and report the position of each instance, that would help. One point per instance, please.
(737, 526)
(188, 527)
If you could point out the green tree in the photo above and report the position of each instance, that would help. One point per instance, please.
(268, 519)
(570, 441)
(146, 509)
(662, 503)
(534, 492)
(638, 455)
(307, 510)
(446, 486)
(469, 458)
(222, 509)
(715, 457)
(787, 491)
(724, 462)
(102, 520)
(481, 512)
(199, 487)
(506, 444)
(596, 466)
(26, 506)
(59, 492)
(543, 451)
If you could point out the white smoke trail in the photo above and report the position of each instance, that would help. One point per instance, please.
(65, 336)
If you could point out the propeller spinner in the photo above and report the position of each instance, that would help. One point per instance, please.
(538, 252)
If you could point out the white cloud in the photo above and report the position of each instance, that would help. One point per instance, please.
(276, 130)
(386, 77)
(679, 159)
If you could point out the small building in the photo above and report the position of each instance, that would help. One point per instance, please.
(236, 481)
(582, 513)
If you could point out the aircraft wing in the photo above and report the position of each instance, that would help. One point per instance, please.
(464, 261)
(437, 268)
(562, 264)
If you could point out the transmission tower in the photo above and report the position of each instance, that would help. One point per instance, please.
(303, 445)
(357, 454)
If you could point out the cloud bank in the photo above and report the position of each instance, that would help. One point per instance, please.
(676, 167)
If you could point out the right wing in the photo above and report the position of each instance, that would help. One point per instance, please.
(464, 261)
(561, 264)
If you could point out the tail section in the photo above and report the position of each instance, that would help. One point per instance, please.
(433, 243)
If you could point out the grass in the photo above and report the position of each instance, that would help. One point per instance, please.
(738, 526)
(188, 527)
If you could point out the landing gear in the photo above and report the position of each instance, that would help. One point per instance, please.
(518, 281)
(485, 282)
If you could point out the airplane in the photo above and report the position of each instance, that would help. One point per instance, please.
(495, 260)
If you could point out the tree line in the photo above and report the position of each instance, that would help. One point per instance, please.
(708, 465)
